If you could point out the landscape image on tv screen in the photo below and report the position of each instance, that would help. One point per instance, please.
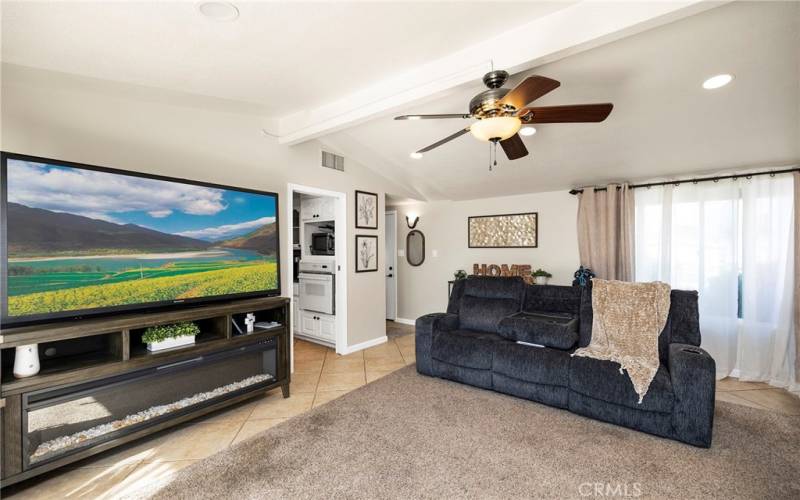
(81, 239)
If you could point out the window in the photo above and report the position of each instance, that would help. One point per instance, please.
(732, 242)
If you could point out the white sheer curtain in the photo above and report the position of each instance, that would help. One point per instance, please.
(767, 280)
(706, 236)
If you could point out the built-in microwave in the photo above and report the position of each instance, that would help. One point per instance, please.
(322, 244)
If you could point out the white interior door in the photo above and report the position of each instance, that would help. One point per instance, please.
(391, 265)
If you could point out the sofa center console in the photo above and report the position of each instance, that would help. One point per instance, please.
(100, 387)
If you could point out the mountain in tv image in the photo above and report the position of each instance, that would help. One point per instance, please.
(82, 239)
(34, 231)
(264, 238)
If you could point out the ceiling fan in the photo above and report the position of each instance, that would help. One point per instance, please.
(500, 113)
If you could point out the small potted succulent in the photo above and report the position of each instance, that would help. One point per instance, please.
(460, 274)
(540, 276)
(162, 337)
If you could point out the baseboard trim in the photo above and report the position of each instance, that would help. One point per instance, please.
(364, 345)
(314, 340)
(405, 321)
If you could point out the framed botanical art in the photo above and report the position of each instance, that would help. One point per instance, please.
(504, 231)
(366, 253)
(366, 210)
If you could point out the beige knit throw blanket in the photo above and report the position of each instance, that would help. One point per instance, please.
(628, 318)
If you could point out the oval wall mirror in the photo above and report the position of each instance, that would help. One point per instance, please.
(415, 248)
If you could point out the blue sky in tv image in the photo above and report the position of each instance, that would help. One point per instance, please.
(194, 211)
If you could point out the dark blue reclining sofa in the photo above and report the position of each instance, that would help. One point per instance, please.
(504, 335)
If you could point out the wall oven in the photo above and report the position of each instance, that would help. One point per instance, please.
(317, 287)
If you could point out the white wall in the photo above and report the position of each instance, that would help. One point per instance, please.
(72, 118)
(423, 289)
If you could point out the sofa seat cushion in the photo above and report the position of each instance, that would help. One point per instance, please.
(465, 348)
(602, 380)
(558, 331)
(531, 364)
(484, 315)
(463, 374)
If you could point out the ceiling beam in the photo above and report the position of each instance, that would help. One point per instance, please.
(565, 32)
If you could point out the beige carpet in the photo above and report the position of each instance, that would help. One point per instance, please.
(410, 436)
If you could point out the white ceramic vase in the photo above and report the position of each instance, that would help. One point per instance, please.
(26, 361)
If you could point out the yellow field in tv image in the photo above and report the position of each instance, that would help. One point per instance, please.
(252, 276)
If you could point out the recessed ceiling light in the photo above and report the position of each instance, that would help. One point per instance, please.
(717, 81)
(527, 131)
(416, 156)
(219, 11)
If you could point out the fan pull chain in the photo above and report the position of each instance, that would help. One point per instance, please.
(492, 154)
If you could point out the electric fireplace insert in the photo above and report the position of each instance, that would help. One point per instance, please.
(58, 422)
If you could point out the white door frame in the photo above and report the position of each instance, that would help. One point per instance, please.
(341, 259)
(393, 214)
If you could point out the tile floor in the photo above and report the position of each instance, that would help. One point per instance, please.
(320, 376)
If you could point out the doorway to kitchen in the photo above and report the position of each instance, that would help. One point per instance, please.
(319, 265)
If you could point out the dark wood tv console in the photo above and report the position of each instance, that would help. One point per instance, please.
(99, 386)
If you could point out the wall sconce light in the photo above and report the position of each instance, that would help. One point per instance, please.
(411, 220)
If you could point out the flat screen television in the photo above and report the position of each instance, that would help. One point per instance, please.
(81, 240)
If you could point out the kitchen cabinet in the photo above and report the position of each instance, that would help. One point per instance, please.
(321, 209)
(309, 209)
(326, 209)
(327, 327)
(318, 326)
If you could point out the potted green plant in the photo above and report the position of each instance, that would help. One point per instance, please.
(460, 274)
(162, 337)
(540, 276)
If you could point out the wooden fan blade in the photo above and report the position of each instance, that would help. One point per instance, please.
(514, 147)
(431, 117)
(446, 139)
(529, 90)
(573, 113)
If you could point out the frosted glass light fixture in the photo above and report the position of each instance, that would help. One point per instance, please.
(498, 127)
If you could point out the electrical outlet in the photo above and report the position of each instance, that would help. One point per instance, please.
(401, 252)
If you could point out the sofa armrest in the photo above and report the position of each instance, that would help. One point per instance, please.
(426, 326)
(693, 374)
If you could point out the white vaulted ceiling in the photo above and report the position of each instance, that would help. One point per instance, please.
(663, 123)
(339, 71)
(282, 56)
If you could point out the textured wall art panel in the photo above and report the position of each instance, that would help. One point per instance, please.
(503, 231)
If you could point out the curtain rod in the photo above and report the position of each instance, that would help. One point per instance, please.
(699, 179)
